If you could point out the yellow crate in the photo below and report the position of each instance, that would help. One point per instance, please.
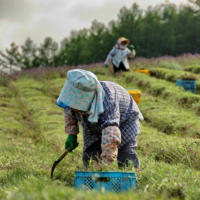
(136, 95)
(145, 71)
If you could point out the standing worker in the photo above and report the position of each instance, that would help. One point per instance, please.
(118, 55)
(108, 115)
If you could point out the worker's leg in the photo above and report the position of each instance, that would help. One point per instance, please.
(93, 151)
(127, 153)
(116, 69)
(123, 68)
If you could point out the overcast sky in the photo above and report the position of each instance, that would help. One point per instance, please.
(38, 19)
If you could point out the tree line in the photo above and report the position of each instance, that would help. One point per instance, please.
(165, 29)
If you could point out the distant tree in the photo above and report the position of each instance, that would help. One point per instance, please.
(161, 30)
(46, 52)
(61, 58)
(187, 31)
(13, 56)
(96, 41)
(196, 2)
(167, 32)
(28, 53)
(127, 21)
(3, 63)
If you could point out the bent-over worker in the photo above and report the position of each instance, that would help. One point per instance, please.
(108, 115)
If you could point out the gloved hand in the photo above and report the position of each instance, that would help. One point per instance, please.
(131, 47)
(106, 65)
(71, 142)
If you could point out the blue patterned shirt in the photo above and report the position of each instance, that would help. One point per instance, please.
(119, 110)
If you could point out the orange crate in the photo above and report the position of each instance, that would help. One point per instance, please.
(145, 71)
(136, 95)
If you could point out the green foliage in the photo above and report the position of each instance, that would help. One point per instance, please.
(28, 54)
(196, 2)
(31, 55)
(47, 52)
(13, 56)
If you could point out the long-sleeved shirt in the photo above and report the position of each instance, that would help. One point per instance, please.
(118, 55)
(120, 111)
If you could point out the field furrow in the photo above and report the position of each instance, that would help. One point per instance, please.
(168, 145)
(172, 75)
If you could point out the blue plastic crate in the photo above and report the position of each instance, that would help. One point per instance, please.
(105, 181)
(189, 85)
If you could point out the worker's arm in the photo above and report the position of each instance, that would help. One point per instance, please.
(111, 138)
(71, 128)
(111, 135)
(131, 52)
(110, 56)
(71, 122)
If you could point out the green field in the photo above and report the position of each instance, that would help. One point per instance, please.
(32, 137)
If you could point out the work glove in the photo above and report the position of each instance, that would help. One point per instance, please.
(131, 47)
(71, 142)
(106, 65)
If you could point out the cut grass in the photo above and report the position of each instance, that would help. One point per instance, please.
(193, 68)
(168, 119)
(166, 172)
(170, 149)
(173, 75)
(28, 175)
(25, 115)
(42, 114)
(9, 113)
(166, 90)
(161, 114)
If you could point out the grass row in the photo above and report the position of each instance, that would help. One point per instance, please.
(168, 62)
(162, 114)
(193, 68)
(22, 156)
(173, 151)
(173, 75)
(10, 116)
(27, 163)
(156, 180)
(161, 88)
(169, 149)
(167, 119)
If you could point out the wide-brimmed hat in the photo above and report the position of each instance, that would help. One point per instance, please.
(123, 39)
(82, 91)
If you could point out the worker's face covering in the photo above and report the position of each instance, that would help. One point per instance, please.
(83, 91)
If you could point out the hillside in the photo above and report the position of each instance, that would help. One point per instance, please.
(32, 133)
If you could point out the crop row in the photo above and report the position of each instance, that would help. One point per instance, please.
(166, 90)
(173, 172)
(193, 68)
(170, 147)
(173, 75)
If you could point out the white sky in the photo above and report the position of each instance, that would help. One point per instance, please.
(38, 19)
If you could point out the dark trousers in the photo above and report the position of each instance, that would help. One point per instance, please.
(125, 154)
(120, 68)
